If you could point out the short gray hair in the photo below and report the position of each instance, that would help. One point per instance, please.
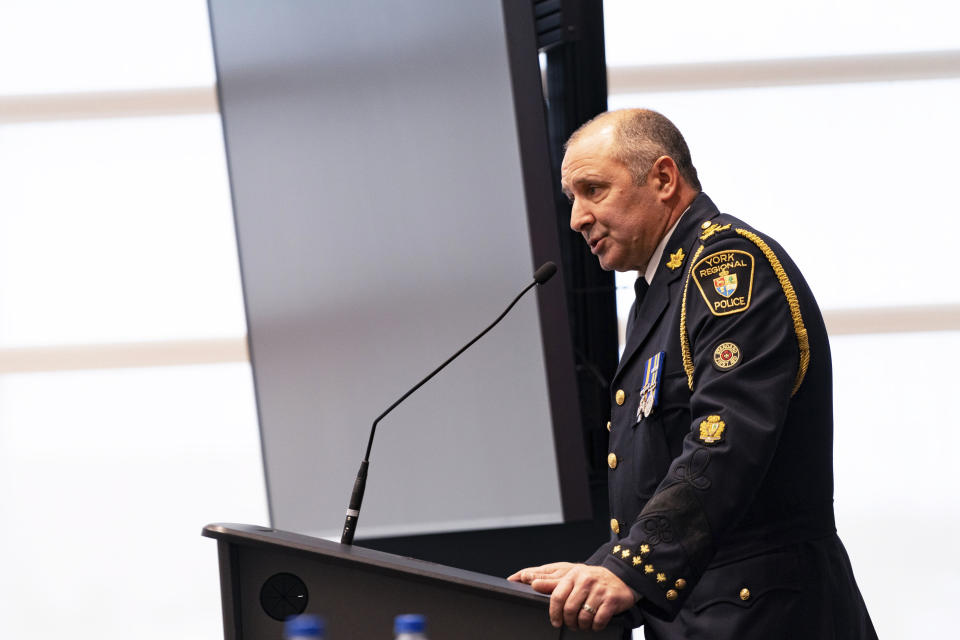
(640, 137)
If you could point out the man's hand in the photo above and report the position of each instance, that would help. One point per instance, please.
(574, 585)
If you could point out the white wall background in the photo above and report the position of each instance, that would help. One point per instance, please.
(116, 248)
(126, 405)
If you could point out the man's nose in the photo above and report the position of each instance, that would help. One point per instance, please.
(579, 216)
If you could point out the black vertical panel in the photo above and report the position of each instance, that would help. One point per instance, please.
(570, 33)
(540, 192)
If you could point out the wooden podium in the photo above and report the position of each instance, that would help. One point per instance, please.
(266, 574)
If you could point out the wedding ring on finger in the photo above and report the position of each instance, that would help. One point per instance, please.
(589, 609)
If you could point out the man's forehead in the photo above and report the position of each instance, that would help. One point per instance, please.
(588, 152)
(593, 141)
(596, 137)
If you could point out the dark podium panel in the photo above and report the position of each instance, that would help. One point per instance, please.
(266, 574)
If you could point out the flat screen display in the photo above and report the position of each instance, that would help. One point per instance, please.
(379, 200)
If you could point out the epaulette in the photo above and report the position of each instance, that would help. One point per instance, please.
(713, 231)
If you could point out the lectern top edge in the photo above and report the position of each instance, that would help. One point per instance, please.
(255, 535)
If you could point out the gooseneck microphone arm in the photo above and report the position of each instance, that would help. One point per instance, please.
(541, 275)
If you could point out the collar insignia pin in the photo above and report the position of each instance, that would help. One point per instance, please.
(676, 259)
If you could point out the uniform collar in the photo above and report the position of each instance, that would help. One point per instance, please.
(658, 253)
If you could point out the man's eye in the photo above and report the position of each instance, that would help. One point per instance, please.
(593, 190)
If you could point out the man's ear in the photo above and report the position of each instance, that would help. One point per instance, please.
(665, 177)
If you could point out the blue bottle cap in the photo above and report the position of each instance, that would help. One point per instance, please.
(305, 624)
(410, 623)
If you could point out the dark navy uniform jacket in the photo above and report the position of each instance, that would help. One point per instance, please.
(721, 440)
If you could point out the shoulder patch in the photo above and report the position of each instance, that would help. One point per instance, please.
(725, 280)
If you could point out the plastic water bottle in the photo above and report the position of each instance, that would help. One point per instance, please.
(305, 626)
(410, 626)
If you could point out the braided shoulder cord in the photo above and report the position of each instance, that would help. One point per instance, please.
(684, 340)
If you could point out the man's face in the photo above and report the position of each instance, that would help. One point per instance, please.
(621, 221)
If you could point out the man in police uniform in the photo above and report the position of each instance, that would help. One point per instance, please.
(721, 430)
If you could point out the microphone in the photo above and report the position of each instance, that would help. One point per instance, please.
(540, 276)
(544, 273)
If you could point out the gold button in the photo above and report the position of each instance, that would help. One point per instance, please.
(705, 224)
(680, 583)
(744, 594)
(621, 396)
(612, 460)
(614, 525)
(671, 595)
(608, 425)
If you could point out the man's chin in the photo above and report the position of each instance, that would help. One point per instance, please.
(607, 263)
(612, 265)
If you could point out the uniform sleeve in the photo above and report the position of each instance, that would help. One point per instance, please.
(743, 353)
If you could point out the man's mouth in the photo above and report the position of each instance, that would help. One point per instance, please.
(594, 244)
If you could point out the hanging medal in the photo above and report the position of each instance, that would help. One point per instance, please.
(650, 392)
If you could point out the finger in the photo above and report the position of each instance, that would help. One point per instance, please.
(545, 585)
(558, 600)
(604, 613)
(527, 575)
(574, 604)
(554, 569)
(585, 617)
